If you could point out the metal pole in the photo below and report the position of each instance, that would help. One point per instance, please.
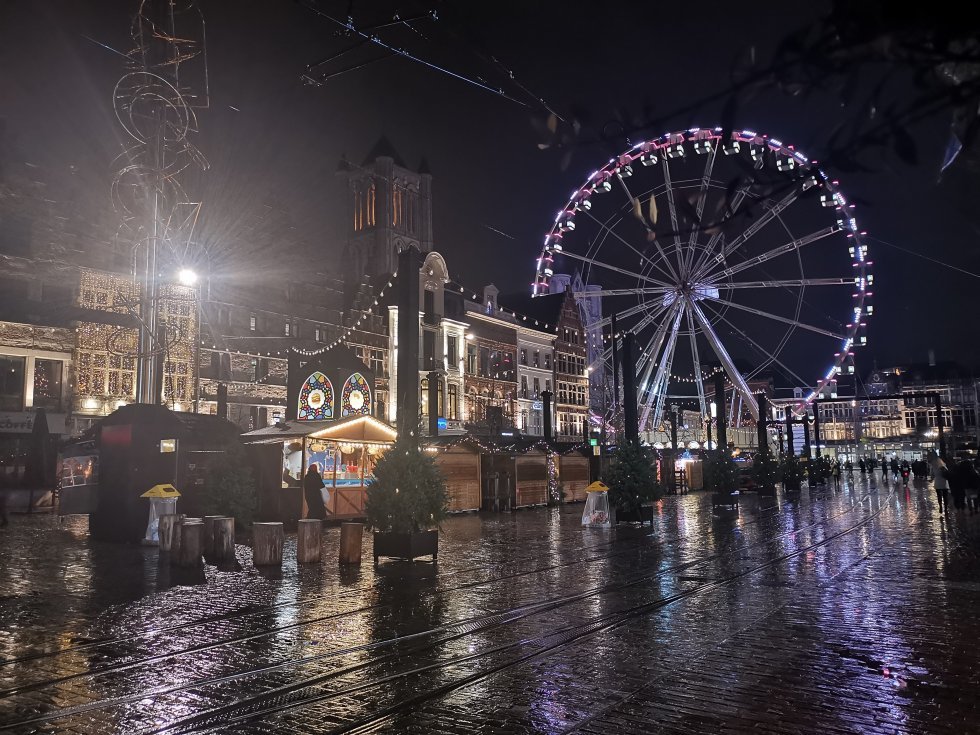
(816, 429)
(790, 449)
(939, 424)
(632, 428)
(615, 363)
(762, 423)
(720, 402)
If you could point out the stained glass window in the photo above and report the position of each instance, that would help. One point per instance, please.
(356, 397)
(315, 399)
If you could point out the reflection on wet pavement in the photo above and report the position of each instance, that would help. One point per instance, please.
(839, 611)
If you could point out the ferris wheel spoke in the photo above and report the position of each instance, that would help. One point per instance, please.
(672, 209)
(788, 283)
(659, 385)
(696, 361)
(699, 207)
(768, 216)
(788, 247)
(637, 328)
(670, 274)
(783, 319)
(624, 314)
(768, 353)
(726, 361)
(733, 206)
(626, 291)
(650, 353)
(608, 266)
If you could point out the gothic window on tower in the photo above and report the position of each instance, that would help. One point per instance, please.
(397, 206)
(371, 195)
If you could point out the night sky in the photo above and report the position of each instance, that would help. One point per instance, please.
(496, 193)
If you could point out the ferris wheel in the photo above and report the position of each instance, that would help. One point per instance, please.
(720, 252)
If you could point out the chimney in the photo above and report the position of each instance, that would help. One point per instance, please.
(932, 357)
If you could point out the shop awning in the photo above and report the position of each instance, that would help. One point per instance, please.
(355, 429)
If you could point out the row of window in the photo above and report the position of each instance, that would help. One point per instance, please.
(571, 424)
(48, 375)
(571, 394)
(450, 411)
(534, 394)
(536, 358)
(571, 364)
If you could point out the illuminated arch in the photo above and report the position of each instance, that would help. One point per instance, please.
(315, 399)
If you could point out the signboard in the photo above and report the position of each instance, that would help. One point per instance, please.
(441, 423)
(168, 445)
(22, 422)
(593, 442)
(537, 406)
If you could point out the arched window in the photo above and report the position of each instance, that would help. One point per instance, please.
(315, 399)
(355, 399)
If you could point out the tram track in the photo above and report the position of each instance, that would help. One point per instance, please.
(447, 634)
(714, 649)
(226, 715)
(351, 592)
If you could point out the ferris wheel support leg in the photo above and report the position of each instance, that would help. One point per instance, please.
(726, 361)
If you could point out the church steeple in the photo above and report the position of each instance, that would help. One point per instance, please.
(389, 208)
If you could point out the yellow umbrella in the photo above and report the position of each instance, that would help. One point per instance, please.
(161, 491)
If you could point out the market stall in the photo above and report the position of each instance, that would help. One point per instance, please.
(344, 452)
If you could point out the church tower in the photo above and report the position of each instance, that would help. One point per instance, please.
(389, 207)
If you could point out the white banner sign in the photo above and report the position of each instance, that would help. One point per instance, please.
(22, 422)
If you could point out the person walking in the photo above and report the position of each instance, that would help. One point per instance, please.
(894, 467)
(836, 473)
(939, 473)
(312, 491)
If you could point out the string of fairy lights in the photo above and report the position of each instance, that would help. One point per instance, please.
(378, 300)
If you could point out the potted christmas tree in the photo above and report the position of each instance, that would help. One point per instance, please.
(405, 503)
(633, 484)
(791, 470)
(765, 472)
(722, 478)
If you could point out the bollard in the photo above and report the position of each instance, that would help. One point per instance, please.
(350, 542)
(191, 544)
(209, 522)
(308, 535)
(175, 537)
(166, 531)
(267, 540)
(224, 539)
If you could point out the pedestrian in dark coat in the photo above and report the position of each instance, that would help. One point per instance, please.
(312, 487)
(969, 479)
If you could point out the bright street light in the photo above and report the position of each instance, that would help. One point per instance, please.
(187, 277)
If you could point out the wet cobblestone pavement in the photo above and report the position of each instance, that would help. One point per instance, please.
(855, 611)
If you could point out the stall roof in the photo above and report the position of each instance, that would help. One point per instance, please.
(351, 429)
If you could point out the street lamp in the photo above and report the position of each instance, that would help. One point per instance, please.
(186, 277)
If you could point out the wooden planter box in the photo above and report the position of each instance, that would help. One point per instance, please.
(645, 515)
(406, 545)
